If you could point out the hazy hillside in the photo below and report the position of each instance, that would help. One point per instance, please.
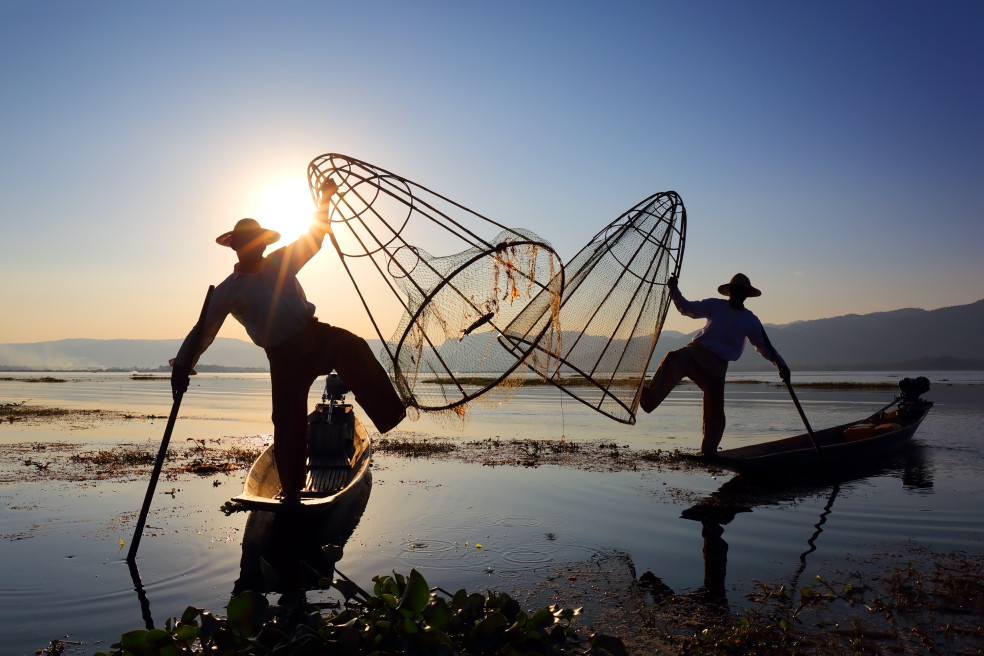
(144, 354)
(946, 338)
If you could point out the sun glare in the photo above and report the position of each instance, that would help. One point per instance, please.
(287, 208)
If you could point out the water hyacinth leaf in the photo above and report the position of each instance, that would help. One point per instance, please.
(489, 626)
(541, 618)
(210, 624)
(190, 614)
(134, 641)
(308, 645)
(476, 603)
(435, 642)
(245, 611)
(416, 594)
(186, 633)
(384, 585)
(347, 638)
(510, 608)
(438, 615)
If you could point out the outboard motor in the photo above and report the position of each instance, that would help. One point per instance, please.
(911, 389)
(331, 427)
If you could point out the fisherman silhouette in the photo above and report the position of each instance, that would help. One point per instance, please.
(705, 359)
(264, 295)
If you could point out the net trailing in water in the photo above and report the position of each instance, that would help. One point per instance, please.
(458, 277)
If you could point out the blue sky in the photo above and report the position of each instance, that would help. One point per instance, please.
(832, 151)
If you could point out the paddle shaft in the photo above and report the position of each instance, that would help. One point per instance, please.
(792, 394)
(799, 408)
(162, 452)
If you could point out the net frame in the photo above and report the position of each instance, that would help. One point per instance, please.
(606, 372)
(375, 211)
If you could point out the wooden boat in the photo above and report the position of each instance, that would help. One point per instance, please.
(844, 445)
(339, 452)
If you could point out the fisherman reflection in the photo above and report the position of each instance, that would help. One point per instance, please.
(712, 596)
(741, 495)
(712, 522)
(290, 553)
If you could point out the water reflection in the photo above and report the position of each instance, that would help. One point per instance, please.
(741, 494)
(141, 594)
(289, 553)
(286, 554)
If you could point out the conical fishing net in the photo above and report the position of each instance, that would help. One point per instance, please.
(613, 307)
(445, 351)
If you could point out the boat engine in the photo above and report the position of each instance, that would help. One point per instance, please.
(331, 427)
(911, 389)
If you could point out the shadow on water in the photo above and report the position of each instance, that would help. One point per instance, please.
(742, 494)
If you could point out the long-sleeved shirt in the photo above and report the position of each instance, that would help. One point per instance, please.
(269, 303)
(726, 329)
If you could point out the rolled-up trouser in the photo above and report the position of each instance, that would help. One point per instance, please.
(707, 370)
(296, 364)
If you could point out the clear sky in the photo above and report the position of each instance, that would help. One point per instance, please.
(833, 151)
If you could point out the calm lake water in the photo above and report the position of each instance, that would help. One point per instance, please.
(64, 574)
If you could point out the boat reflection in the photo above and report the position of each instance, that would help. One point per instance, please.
(743, 494)
(291, 553)
(287, 553)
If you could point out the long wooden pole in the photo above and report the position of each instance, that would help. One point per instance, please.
(792, 394)
(162, 452)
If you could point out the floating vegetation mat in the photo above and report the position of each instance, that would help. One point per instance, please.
(34, 379)
(64, 461)
(72, 461)
(33, 415)
(592, 455)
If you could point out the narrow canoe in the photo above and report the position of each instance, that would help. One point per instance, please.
(844, 445)
(339, 453)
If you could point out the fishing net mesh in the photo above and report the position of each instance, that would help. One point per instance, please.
(612, 309)
(447, 348)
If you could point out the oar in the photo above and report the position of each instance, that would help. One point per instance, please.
(792, 394)
(135, 543)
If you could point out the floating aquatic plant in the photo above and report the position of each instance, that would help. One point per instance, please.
(401, 615)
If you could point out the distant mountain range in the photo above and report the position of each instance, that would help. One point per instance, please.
(908, 339)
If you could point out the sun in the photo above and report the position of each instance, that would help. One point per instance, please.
(286, 207)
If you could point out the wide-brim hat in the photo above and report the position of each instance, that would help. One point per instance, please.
(739, 280)
(250, 229)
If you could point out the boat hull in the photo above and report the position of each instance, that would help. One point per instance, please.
(835, 447)
(332, 474)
